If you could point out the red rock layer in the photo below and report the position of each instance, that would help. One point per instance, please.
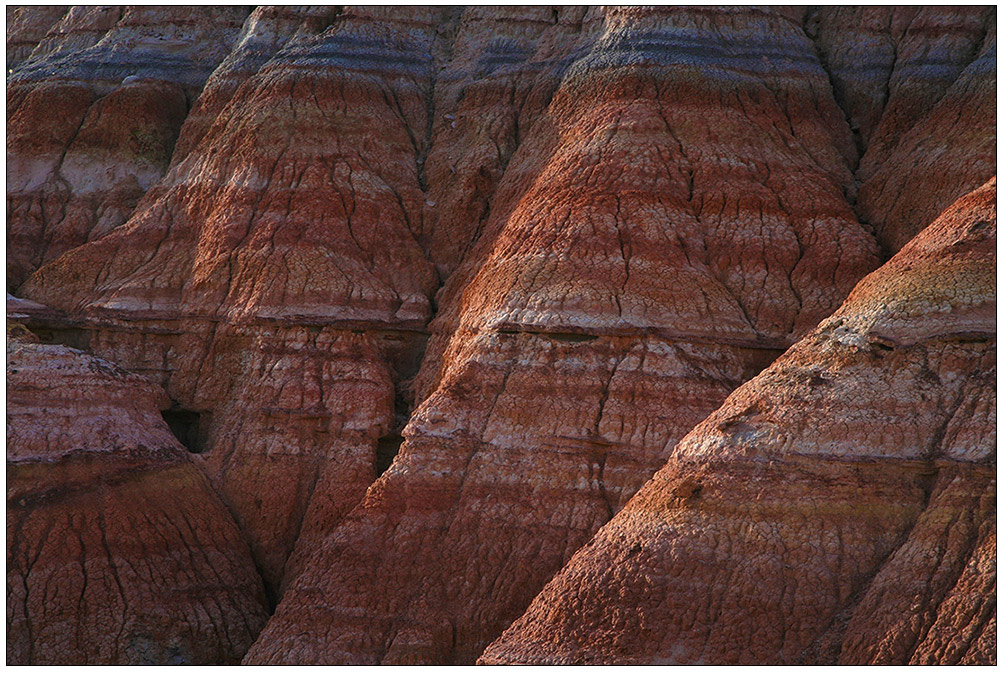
(266, 32)
(645, 252)
(270, 244)
(839, 508)
(118, 550)
(92, 116)
(891, 65)
(950, 150)
(26, 26)
(310, 256)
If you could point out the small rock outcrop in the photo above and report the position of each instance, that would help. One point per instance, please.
(118, 550)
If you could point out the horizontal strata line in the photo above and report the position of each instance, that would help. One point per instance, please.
(811, 461)
(52, 319)
(577, 333)
(888, 343)
(48, 495)
(133, 322)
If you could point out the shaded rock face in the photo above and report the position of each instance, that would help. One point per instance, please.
(118, 550)
(26, 26)
(113, 86)
(839, 508)
(528, 248)
(918, 86)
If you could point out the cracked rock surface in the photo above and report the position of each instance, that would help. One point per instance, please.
(434, 291)
(113, 86)
(838, 508)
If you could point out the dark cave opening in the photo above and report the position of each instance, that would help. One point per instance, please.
(185, 426)
(386, 450)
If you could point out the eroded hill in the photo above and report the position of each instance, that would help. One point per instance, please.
(428, 294)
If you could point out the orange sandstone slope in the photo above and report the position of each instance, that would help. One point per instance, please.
(538, 244)
(118, 550)
(839, 508)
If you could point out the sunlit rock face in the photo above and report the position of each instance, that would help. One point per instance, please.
(838, 508)
(644, 253)
(434, 291)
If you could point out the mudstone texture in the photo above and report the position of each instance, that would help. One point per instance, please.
(431, 335)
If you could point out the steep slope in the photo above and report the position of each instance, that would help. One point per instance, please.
(644, 254)
(951, 150)
(266, 32)
(26, 26)
(93, 113)
(839, 508)
(118, 551)
(252, 326)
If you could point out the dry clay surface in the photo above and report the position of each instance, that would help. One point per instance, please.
(118, 550)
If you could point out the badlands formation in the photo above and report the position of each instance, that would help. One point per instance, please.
(361, 335)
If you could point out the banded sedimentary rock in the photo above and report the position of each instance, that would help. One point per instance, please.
(273, 281)
(118, 550)
(265, 33)
(839, 508)
(277, 271)
(600, 221)
(26, 26)
(950, 150)
(673, 220)
(92, 116)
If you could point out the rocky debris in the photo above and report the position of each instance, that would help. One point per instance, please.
(839, 508)
(113, 86)
(118, 550)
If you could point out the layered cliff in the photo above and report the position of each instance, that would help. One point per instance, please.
(435, 291)
(111, 87)
(918, 86)
(839, 508)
